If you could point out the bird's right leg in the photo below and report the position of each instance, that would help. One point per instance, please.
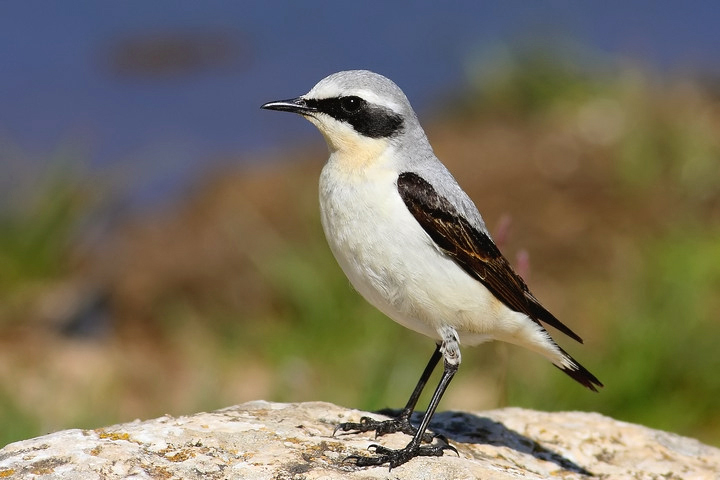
(401, 423)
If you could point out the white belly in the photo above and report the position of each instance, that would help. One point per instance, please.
(394, 264)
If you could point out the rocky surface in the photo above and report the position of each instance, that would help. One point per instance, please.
(262, 440)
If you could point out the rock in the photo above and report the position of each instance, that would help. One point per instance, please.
(262, 440)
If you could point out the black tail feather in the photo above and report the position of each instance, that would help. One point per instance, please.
(579, 373)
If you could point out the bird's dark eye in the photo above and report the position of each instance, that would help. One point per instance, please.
(351, 104)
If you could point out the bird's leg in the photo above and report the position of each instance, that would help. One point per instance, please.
(401, 423)
(450, 350)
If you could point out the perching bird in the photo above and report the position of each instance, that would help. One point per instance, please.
(413, 244)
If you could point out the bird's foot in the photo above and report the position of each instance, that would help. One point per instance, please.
(367, 424)
(395, 458)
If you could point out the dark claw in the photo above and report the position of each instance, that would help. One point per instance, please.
(446, 444)
(395, 458)
(353, 458)
(367, 424)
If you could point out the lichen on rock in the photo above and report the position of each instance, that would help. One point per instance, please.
(263, 440)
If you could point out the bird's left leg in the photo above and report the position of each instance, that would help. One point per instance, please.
(401, 423)
(450, 350)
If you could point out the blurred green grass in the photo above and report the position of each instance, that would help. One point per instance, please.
(38, 229)
(659, 357)
(298, 331)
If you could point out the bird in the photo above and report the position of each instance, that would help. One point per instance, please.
(415, 246)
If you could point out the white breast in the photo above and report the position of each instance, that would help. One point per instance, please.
(393, 263)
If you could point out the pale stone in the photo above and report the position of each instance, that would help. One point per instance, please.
(262, 440)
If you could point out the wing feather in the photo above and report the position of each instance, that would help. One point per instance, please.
(472, 249)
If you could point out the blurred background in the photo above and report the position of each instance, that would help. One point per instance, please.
(160, 243)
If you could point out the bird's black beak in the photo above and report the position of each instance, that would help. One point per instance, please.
(294, 105)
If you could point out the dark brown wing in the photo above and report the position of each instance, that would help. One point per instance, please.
(472, 249)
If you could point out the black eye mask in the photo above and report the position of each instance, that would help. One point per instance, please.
(366, 118)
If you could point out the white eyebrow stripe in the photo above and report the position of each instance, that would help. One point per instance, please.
(332, 91)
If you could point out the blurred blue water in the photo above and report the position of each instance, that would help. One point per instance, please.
(56, 85)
